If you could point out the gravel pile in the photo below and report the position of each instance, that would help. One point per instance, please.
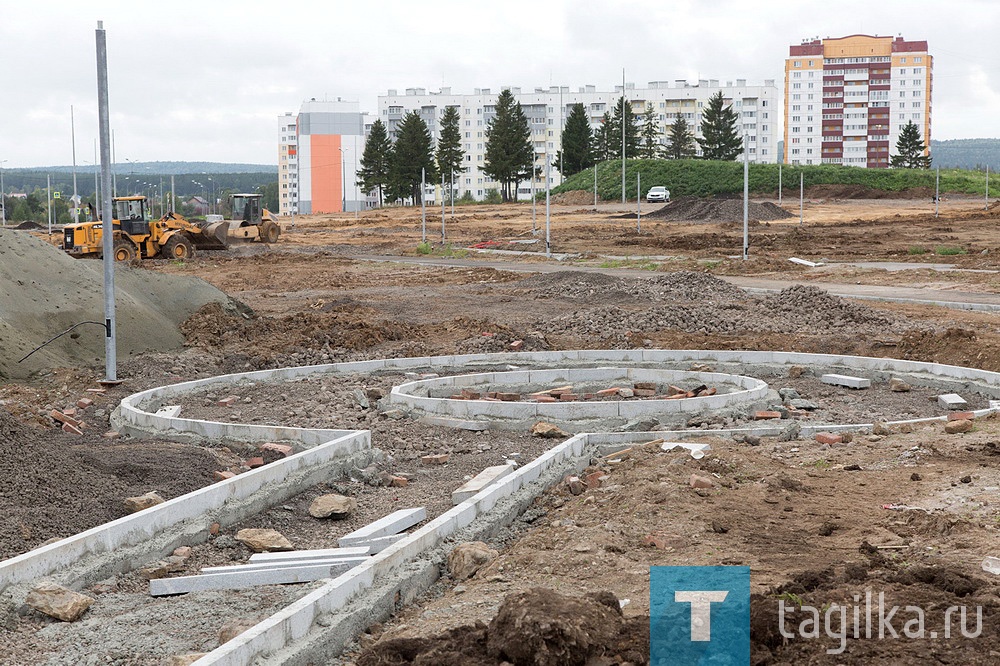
(681, 285)
(718, 210)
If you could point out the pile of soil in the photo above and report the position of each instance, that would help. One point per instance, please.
(718, 210)
(684, 285)
(573, 198)
(537, 627)
(28, 226)
(49, 291)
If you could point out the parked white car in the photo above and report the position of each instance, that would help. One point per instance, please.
(658, 194)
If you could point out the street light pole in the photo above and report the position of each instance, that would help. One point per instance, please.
(3, 200)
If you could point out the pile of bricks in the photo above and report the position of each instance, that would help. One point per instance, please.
(69, 418)
(640, 390)
(270, 450)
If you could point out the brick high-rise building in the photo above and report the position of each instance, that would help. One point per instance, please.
(847, 99)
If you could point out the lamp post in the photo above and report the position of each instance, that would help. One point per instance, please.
(3, 200)
(343, 179)
(211, 204)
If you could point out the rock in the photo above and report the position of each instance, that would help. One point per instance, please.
(881, 428)
(641, 425)
(916, 477)
(57, 601)
(162, 568)
(185, 659)
(700, 481)
(261, 540)
(362, 398)
(183, 552)
(807, 405)
(960, 426)
(333, 506)
(965, 479)
(790, 433)
(231, 629)
(626, 393)
(898, 385)
(140, 502)
(789, 394)
(543, 429)
(466, 559)
(575, 485)
(795, 371)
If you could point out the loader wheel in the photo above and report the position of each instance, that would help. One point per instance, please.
(269, 232)
(178, 247)
(124, 251)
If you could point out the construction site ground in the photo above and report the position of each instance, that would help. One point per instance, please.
(809, 519)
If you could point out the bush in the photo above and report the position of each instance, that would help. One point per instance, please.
(916, 250)
(946, 251)
(424, 248)
(492, 196)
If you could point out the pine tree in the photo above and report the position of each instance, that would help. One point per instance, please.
(412, 152)
(577, 142)
(374, 171)
(720, 135)
(450, 156)
(603, 140)
(910, 148)
(680, 140)
(623, 114)
(650, 146)
(509, 155)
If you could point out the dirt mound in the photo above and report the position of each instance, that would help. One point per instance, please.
(574, 198)
(28, 226)
(537, 627)
(49, 291)
(682, 285)
(717, 210)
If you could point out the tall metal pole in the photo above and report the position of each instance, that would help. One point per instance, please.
(173, 196)
(746, 200)
(623, 135)
(423, 206)
(3, 201)
(442, 207)
(110, 340)
(534, 224)
(937, 191)
(114, 166)
(76, 203)
(48, 196)
(802, 196)
(548, 239)
(638, 202)
(452, 194)
(985, 207)
(779, 183)
(97, 183)
(595, 185)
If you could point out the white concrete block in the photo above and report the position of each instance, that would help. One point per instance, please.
(480, 481)
(238, 579)
(394, 523)
(286, 564)
(378, 544)
(952, 401)
(168, 411)
(448, 422)
(803, 262)
(319, 553)
(846, 380)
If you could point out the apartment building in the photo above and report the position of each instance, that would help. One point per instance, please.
(547, 109)
(848, 98)
(319, 152)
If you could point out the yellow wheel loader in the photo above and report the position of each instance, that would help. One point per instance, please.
(136, 236)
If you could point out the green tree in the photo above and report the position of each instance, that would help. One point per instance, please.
(412, 152)
(509, 155)
(720, 138)
(623, 114)
(374, 172)
(577, 151)
(910, 148)
(269, 196)
(603, 139)
(650, 145)
(450, 156)
(680, 140)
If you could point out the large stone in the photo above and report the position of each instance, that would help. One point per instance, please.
(543, 429)
(465, 559)
(333, 506)
(140, 502)
(898, 385)
(57, 601)
(260, 540)
(959, 426)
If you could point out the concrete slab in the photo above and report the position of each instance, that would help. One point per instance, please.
(394, 523)
(169, 411)
(952, 401)
(286, 564)
(238, 579)
(846, 380)
(480, 481)
(318, 553)
(461, 424)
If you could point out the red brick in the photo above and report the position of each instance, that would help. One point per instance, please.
(223, 475)
(97, 390)
(594, 479)
(676, 396)
(643, 393)
(576, 486)
(544, 398)
(828, 438)
(283, 449)
(657, 541)
(568, 397)
(559, 390)
(255, 462)
(456, 396)
(71, 429)
(609, 391)
(469, 394)
(70, 412)
(214, 528)
(588, 396)
(111, 434)
(676, 390)
(763, 416)
(644, 386)
(509, 397)
(83, 403)
(492, 394)
(961, 416)
(705, 392)
(62, 418)
(517, 344)
(228, 401)
(435, 459)
(398, 482)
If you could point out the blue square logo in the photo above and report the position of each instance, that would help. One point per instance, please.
(699, 616)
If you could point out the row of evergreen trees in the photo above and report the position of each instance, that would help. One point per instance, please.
(394, 169)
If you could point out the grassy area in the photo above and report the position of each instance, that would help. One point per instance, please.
(703, 178)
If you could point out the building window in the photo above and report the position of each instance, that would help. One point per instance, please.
(797, 63)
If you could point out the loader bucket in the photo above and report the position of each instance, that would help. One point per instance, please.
(212, 237)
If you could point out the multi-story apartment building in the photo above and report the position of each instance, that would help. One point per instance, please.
(548, 108)
(318, 155)
(847, 99)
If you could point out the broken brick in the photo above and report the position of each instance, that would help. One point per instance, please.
(657, 541)
(469, 394)
(435, 459)
(254, 462)
(228, 401)
(62, 418)
(398, 481)
(214, 528)
(509, 397)
(223, 475)
(595, 479)
(517, 344)
(283, 449)
(608, 391)
(544, 398)
(71, 429)
(961, 416)
(828, 438)
(575, 485)
(83, 403)
(644, 386)
(568, 397)
(675, 390)
(111, 434)
(763, 416)
(644, 393)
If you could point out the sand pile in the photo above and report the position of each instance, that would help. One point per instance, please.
(718, 210)
(45, 291)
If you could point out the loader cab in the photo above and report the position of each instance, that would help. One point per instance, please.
(247, 209)
(130, 212)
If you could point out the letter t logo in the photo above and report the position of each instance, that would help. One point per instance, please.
(701, 610)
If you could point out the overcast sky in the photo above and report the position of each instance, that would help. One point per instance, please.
(206, 81)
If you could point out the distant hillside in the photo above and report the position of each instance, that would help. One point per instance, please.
(966, 153)
(166, 168)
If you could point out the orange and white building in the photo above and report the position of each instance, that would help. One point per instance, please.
(847, 99)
